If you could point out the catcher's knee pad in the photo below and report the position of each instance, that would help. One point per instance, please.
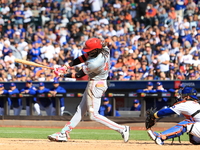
(194, 140)
(176, 130)
(194, 129)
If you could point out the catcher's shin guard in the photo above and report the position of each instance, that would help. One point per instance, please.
(176, 131)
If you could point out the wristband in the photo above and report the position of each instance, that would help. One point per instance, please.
(156, 115)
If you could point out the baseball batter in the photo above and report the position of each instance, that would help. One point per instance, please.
(97, 64)
(190, 108)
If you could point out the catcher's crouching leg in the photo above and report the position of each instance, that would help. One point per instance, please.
(175, 131)
(194, 133)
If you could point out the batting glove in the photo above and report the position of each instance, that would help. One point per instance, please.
(57, 73)
(61, 69)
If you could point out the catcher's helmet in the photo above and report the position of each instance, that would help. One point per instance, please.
(189, 91)
(91, 44)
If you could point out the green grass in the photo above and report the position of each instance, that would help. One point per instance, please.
(41, 133)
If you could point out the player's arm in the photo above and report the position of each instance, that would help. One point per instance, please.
(5, 92)
(164, 112)
(109, 108)
(61, 90)
(75, 62)
(78, 74)
(82, 72)
(15, 91)
(79, 60)
(32, 91)
(152, 115)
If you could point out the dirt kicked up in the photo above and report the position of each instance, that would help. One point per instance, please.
(37, 144)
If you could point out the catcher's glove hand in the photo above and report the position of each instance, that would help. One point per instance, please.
(150, 120)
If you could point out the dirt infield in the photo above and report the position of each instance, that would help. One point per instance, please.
(45, 144)
(36, 144)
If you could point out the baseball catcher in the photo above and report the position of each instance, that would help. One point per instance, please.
(187, 106)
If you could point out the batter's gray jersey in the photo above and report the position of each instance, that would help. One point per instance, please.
(98, 68)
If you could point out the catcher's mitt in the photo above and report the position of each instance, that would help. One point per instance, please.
(150, 120)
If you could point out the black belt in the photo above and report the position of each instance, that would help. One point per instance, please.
(198, 111)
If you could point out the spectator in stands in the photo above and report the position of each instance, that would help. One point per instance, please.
(41, 77)
(27, 16)
(35, 52)
(136, 105)
(19, 15)
(127, 31)
(56, 90)
(9, 60)
(29, 89)
(23, 79)
(16, 102)
(106, 108)
(43, 103)
(163, 60)
(48, 77)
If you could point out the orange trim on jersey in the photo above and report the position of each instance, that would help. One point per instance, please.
(187, 116)
(183, 101)
(100, 84)
(107, 122)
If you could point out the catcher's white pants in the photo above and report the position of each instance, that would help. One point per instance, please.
(195, 131)
(91, 101)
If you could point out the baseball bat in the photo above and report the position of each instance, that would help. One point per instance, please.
(31, 63)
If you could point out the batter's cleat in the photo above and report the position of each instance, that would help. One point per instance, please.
(58, 137)
(126, 134)
(155, 137)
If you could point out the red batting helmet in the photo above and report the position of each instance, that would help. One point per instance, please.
(91, 44)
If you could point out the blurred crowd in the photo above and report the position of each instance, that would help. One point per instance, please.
(148, 39)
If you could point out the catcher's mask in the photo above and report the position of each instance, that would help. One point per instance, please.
(189, 91)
